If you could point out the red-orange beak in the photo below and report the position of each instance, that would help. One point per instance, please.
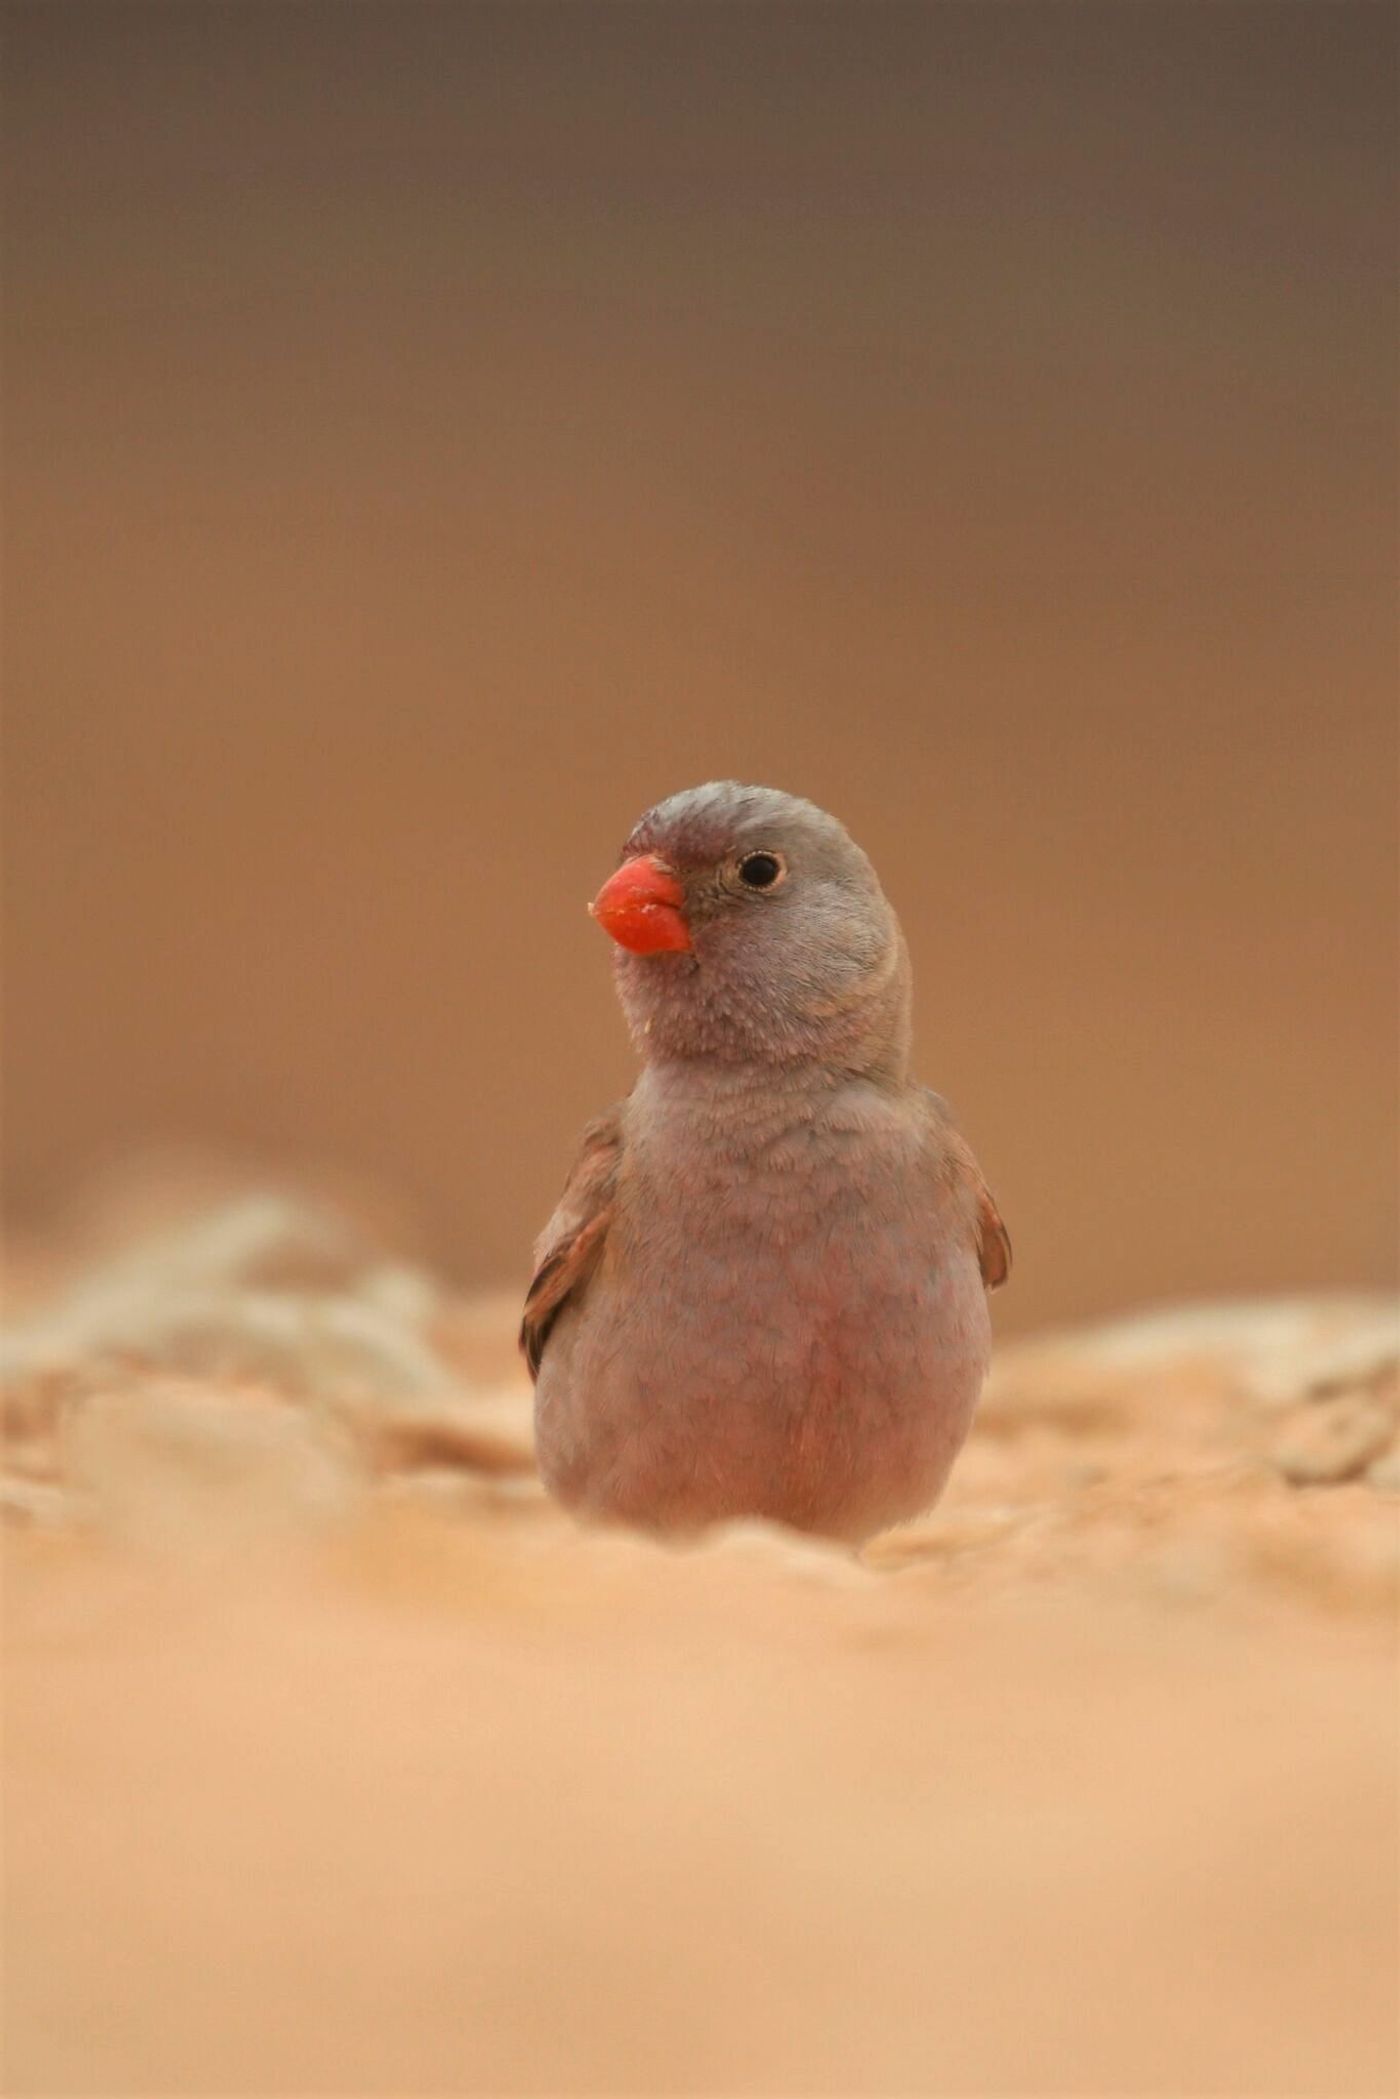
(641, 907)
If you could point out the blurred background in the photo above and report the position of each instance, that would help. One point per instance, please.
(432, 433)
(435, 432)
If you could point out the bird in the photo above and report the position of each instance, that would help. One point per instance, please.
(763, 1292)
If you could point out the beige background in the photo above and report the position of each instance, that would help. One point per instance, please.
(433, 433)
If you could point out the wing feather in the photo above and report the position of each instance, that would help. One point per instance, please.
(571, 1244)
(993, 1239)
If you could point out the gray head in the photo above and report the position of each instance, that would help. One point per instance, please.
(751, 928)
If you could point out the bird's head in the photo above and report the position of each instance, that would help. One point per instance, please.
(750, 928)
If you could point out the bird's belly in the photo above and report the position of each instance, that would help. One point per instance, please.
(823, 1376)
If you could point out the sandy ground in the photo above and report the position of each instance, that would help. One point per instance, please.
(337, 1760)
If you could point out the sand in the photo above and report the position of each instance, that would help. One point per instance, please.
(337, 1760)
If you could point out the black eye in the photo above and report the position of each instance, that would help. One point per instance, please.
(760, 870)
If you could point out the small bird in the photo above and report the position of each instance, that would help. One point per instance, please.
(764, 1290)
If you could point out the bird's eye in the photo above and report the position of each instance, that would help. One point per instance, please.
(761, 870)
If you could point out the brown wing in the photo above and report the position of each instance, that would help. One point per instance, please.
(993, 1239)
(568, 1249)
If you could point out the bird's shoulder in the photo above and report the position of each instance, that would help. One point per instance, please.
(571, 1244)
(953, 1160)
